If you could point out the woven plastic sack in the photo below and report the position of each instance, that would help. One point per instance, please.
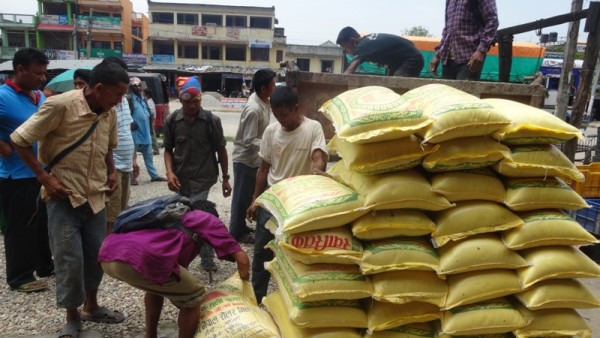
(230, 310)
(455, 113)
(476, 286)
(476, 184)
(553, 323)
(399, 253)
(413, 330)
(524, 194)
(385, 316)
(392, 223)
(401, 287)
(558, 293)
(531, 125)
(465, 153)
(373, 114)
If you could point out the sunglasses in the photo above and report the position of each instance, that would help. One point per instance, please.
(136, 85)
(187, 97)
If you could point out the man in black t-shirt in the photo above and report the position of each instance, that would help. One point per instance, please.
(400, 55)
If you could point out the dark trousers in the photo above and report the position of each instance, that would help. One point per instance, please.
(458, 71)
(243, 189)
(26, 238)
(262, 236)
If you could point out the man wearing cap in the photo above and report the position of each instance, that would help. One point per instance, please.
(140, 128)
(192, 138)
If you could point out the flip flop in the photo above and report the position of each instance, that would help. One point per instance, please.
(104, 315)
(71, 329)
(33, 286)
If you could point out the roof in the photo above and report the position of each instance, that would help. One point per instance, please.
(56, 64)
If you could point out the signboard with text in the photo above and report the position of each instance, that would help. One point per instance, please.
(100, 53)
(162, 58)
(135, 58)
(99, 22)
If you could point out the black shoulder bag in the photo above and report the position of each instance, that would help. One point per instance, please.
(72, 147)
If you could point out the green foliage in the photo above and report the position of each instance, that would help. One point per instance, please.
(418, 31)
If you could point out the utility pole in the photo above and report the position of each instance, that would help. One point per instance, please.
(75, 37)
(89, 35)
(562, 100)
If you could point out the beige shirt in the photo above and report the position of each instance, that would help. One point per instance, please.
(61, 121)
(253, 122)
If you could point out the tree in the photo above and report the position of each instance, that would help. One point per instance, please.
(418, 31)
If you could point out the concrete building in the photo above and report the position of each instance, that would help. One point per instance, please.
(325, 58)
(17, 31)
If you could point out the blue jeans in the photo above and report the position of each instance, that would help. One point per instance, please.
(243, 189)
(262, 236)
(146, 150)
(76, 235)
(207, 253)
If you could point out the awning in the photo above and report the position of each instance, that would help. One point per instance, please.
(54, 27)
(56, 64)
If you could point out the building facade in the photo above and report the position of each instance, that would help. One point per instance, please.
(325, 58)
(18, 31)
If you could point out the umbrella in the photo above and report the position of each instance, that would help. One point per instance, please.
(63, 82)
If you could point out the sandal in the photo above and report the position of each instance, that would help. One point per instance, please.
(33, 286)
(104, 315)
(71, 329)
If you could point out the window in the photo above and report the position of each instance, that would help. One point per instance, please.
(118, 45)
(96, 13)
(116, 15)
(187, 19)
(279, 56)
(235, 21)
(260, 22)
(326, 66)
(101, 44)
(162, 17)
(136, 46)
(235, 53)
(163, 48)
(187, 51)
(211, 53)
(212, 19)
(303, 64)
(259, 54)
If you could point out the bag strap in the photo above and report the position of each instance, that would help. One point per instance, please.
(72, 147)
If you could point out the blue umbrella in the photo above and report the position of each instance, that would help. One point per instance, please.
(63, 82)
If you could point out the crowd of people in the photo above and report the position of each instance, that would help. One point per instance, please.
(67, 165)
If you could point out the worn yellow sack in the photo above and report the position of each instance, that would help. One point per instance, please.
(402, 190)
(230, 310)
(480, 252)
(558, 293)
(531, 125)
(541, 160)
(477, 286)
(385, 316)
(399, 253)
(413, 330)
(381, 157)
(469, 218)
(455, 113)
(373, 114)
(487, 317)
(316, 282)
(464, 185)
(465, 153)
(524, 194)
(325, 313)
(336, 245)
(400, 287)
(392, 223)
(553, 323)
(279, 309)
(311, 202)
(552, 262)
(546, 227)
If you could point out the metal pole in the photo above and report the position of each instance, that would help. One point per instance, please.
(564, 85)
(89, 35)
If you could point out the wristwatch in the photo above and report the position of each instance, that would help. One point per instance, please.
(226, 177)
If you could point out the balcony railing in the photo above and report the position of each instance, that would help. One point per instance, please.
(16, 20)
(8, 52)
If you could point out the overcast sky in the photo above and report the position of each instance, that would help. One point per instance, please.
(314, 22)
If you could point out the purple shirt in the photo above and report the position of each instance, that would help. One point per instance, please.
(158, 253)
(467, 29)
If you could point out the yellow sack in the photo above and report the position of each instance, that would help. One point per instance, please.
(311, 202)
(553, 323)
(455, 113)
(531, 125)
(400, 253)
(480, 252)
(322, 246)
(326, 313)
(316, 282)
(402, 190)
(558, 293)
(487, 317)
(464, 185)
(524, 194)
(413, 330)
(401, 287)
(470, 218)
(230, 310)
(392, 223)
(385, 316)
(278, 308)
(552, 262)
(381, 157)
(476, 286)
(544, 228)
(373, 114)
(540, 160)
(466, 153)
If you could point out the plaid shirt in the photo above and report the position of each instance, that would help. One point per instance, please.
(470, 25)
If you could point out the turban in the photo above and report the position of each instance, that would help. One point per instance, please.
(189, 85)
